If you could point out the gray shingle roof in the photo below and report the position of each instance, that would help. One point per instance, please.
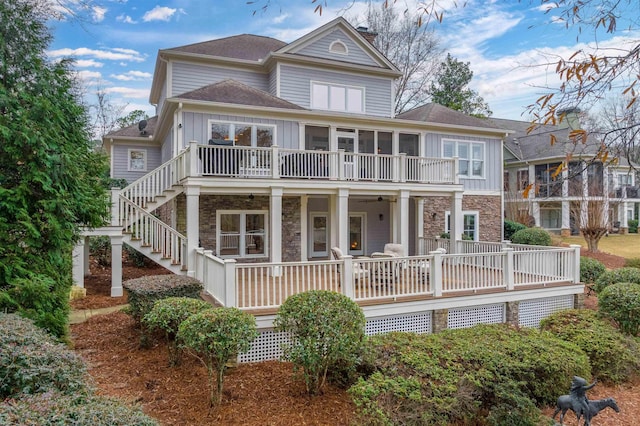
(233, 92)
(245, 46)
(536, 145)
(134, 131)
(436, 113)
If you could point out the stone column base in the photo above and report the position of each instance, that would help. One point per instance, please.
(578, 301)
(440, 320)
(513, 313)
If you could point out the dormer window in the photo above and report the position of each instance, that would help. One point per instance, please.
(338, 47)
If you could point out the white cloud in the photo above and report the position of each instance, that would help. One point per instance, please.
(159, 13)
(280, 19)
(128, 92)
(115, 54)
(132, 76)
(87, 63)
(125, 19)
(86, 75)
(98, 13)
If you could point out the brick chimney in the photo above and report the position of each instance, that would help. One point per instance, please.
(370, 36)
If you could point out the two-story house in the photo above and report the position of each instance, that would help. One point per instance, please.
(550, 175)
(273, 168)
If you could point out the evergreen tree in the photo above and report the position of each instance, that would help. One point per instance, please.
(49, 176)
(451, 89)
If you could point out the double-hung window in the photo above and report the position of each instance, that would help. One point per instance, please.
(335, 97)
(241, 233)
(137, 160)
(470, 157)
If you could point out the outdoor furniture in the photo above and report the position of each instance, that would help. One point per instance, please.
(358, 271)
(387, 271)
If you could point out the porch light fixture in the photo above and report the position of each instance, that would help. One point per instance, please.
(380, 198)
(251, 196)
(433, 215)
(381, 217)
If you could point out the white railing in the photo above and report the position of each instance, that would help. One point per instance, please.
(156, 182)
(151, 232)
(274, 162)
(267, 285)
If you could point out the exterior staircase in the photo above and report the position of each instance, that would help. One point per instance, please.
(141, 229)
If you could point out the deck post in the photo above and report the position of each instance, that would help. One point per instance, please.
(402, 160)
(193, 225)
(347, 277)
(341, 164)
(78, 257)
(275, 162)
(116, 266)
(435, 271)
(115, 207)
(198, 270)
(509, 279)
(230, 283)
(193, 158)
(576, 262)
(206, 279)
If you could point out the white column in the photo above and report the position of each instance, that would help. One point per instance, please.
(333, 221)
(116, 266)
(342, 208)
(403, 210)
(420, 249)
(566, 215)
(193, 226)
(77, 257)
(115, 207)
(304, 228)
(87, 254)
(275, 218)
(584, 208)
(535, 211)
(457, 224)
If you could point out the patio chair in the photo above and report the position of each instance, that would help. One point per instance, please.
(358, 271)
(387, 271)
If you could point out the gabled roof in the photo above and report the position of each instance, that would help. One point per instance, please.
(133, 131)
(536, 145)
(436, 113)
(245, 46)
(234, 92)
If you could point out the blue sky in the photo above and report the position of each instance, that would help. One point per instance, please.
(505, 41)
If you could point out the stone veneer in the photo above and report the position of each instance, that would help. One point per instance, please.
(209, 204)
(488, 207)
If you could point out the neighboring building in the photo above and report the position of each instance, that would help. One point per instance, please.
(534, 161)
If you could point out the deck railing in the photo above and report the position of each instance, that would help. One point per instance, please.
(275, 163)
(267, 285)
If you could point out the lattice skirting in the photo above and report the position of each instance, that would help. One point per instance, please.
(415, 323)
(473, 315)
(532, 311)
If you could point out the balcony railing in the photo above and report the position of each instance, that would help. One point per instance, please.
(276, 163)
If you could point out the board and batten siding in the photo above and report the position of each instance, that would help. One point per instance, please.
(195, 127)
(167, 147)
(120, 161)
(492, 160)
(320, 49)
(163, 97)
(187, 77)
(295, 87)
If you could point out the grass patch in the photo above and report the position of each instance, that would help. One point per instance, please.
(625, 245)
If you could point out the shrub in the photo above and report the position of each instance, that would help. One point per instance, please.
(214, 336)
(53, 408)
(143, 292)
(621, 302)
(327, 332)
(487, 374)
(167, 315)
(100, 248)
(32, 362)
(613, 357)
(632, 263)
(620, 275)
(590, 269)
(532, 236)
(511, 227)
(633, 226)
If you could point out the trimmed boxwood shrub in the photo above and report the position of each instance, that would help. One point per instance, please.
(590, 269)
(532, 236)
(31, 361)
(621, 302)
(620, 275)
(633, 226)
(167, 315)
(143, 292)
(215, 336)
(511, 227)
(614, 358)
(53, 408)
(487, 374)
(327, 333)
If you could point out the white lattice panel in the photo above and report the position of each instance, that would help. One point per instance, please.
(416, 323)
(267, 346)
(468, 317)
(532, 311)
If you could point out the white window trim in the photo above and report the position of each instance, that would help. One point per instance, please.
(336, 42)
(470, 143)
(254, 137)
(241, 248)
(362, 89)
(144, 156)
(475, 213)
